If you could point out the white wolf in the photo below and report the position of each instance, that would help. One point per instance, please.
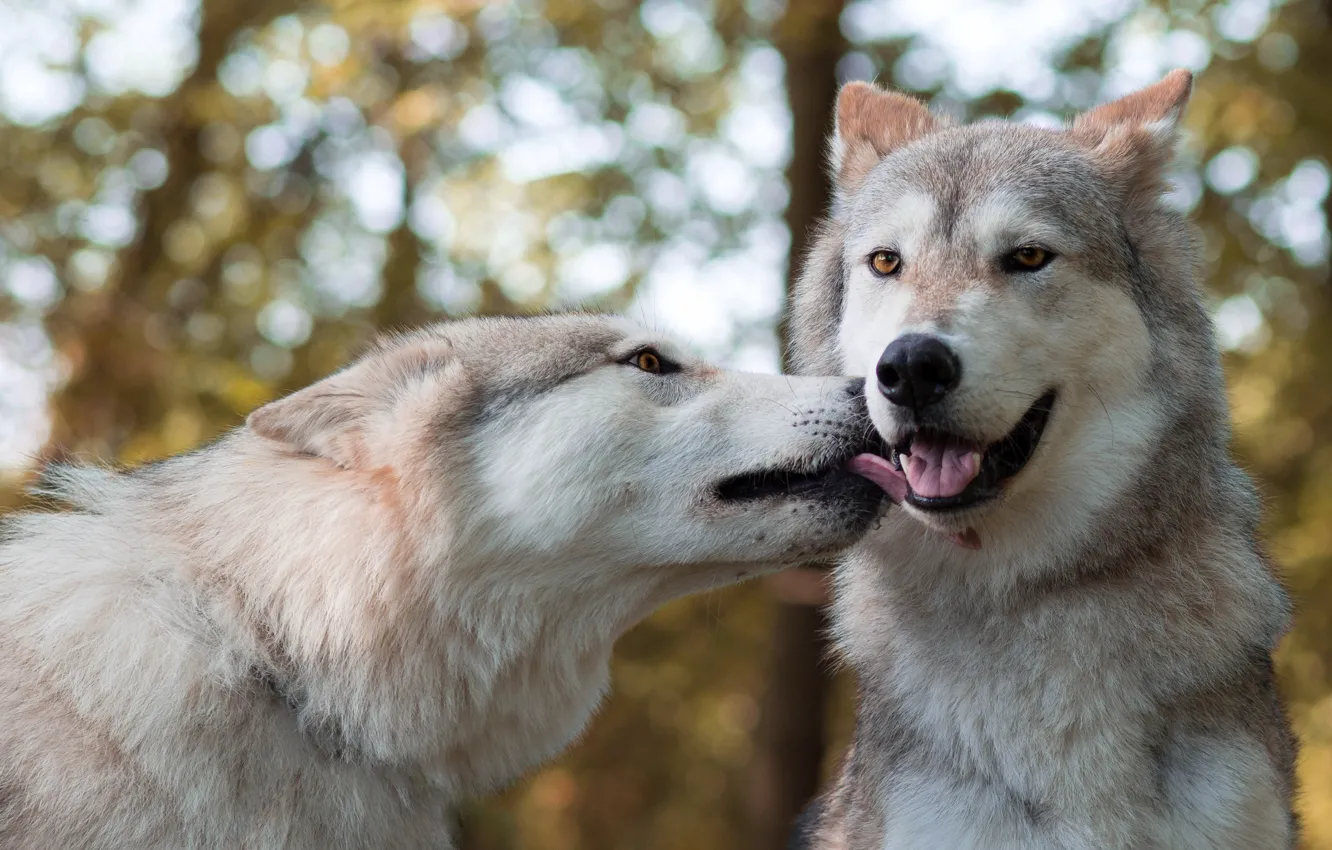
(393, 588)
(1064, 637)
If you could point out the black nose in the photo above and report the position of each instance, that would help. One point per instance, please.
(917, 370)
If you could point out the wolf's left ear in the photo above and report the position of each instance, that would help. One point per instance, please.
(329, 418)
(319, 420)
(872, 123)
(1133, 139)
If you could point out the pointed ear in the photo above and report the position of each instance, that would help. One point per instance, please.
(320, 419)
(1133, 139)
(872, 123)
(331, 418)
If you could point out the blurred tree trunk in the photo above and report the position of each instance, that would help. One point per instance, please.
(399, 305)
(789, 741)
(114, 338)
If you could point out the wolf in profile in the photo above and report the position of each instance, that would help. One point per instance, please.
(393, 589)
(1063, 637)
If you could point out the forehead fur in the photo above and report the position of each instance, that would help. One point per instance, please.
(961, 168)
(538, 347)
(450, 368)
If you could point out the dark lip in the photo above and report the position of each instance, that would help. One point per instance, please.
(769, 483)
(793, 481)
(1003, 459)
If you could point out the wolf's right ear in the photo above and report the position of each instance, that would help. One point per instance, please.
(872, 123)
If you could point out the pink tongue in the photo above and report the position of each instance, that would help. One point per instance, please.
(881, 472)
(940, 468)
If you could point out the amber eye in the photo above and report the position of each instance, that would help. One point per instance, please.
(648, 361)
(885, 263)
(1028, 258)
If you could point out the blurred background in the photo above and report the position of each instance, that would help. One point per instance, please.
(205, 203)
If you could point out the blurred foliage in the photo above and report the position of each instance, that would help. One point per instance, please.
(203, 207)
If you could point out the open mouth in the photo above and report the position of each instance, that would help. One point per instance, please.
(945, 472)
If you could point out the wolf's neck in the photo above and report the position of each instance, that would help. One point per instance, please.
(388, 647)
(1167, 566)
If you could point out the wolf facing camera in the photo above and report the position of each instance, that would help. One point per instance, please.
(1063, 636)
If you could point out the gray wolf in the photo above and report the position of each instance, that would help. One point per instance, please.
(392, 589)
(1063, 637)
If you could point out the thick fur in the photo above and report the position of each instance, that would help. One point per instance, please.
(392, 589)
(1098, 673)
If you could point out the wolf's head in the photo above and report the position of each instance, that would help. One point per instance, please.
(1020, 300)
(568, 448)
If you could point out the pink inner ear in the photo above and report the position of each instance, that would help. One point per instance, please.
(1161, 102)
(871, 123)
(1132, 139)
(309, 420)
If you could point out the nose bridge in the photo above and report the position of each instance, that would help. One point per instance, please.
(939, 280)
